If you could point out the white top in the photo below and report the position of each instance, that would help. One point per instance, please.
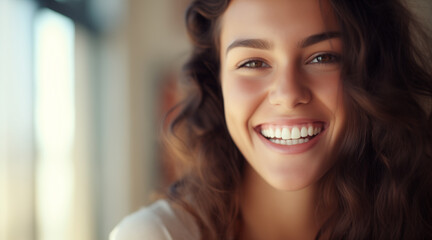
(159, 221)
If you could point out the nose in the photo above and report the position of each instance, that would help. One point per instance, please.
(289, 89)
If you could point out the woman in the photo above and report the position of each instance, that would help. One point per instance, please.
(308, 120)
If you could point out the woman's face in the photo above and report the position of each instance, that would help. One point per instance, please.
(280, 76)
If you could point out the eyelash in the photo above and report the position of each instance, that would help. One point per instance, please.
(253, 61)
(331, 59)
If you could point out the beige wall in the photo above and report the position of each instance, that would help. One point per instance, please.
(136, 54)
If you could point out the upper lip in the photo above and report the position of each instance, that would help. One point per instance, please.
(290, 123)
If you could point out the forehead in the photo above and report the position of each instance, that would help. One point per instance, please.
(283, 20)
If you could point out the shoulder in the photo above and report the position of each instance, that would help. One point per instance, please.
(159, 221)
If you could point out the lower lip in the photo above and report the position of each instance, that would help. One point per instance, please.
(291, 149)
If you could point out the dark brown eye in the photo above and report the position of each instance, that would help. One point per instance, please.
(325, 58)
(254, 64)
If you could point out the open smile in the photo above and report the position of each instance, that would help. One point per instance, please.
(286, 135)
(291, 138)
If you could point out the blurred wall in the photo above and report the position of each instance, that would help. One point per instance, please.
(136, 55)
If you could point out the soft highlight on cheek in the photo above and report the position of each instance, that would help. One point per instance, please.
(245, 86)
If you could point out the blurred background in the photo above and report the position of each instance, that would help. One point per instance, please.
(83, 88)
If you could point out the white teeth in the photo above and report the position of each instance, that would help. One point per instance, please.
(304, 132)
(290, 142)
(295, 133)
(278, 133)
(271, 133)
(286, 133)
(310, 131)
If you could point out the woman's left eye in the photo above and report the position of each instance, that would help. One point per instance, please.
(325, 58)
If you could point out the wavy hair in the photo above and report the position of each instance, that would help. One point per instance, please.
(382, 180)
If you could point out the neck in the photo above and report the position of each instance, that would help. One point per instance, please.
(268, 213)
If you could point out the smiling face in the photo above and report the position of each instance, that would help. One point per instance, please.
(280, 76)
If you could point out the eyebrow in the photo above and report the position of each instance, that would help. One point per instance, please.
(266, 45)
(314, 39)
(250, 43)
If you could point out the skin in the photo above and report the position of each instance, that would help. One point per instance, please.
(281, 76)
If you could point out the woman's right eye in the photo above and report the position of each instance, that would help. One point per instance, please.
(254, 64)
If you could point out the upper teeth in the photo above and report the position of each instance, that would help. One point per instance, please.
(290, 133)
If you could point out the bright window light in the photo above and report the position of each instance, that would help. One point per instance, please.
(54, 124)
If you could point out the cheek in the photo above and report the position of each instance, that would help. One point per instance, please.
(242, 89)
(241, 93)
(332, 97)
(330, 93)
(241, 98)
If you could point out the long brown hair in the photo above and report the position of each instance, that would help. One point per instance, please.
(383, 177)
